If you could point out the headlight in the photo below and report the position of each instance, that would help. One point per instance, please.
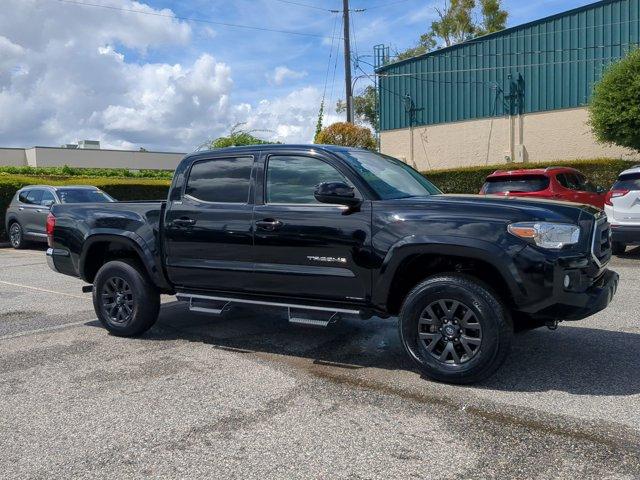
(546, 234)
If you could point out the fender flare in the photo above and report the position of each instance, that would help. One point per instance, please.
(465, 247)
(130, 239)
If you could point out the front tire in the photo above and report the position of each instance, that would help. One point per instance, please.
(16, 236)
(618, 248)
(455, 328)
(125, 300)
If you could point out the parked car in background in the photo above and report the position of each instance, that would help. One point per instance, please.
(555, 183)
(26, 218)
(622, 207)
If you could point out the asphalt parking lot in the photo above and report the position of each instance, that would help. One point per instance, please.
(249, 396)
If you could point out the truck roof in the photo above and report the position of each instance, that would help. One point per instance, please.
(277, 146)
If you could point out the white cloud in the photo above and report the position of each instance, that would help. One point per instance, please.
(282, 73)
(65, 75)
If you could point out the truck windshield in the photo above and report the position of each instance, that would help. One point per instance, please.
(83, 195)
(388, 177)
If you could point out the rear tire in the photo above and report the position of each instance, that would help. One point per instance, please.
(455, 328)
(126, 302)
(16, 236)
(618, 248)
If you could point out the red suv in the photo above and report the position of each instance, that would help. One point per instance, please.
(555, 183)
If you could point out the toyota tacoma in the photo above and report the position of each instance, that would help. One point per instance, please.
(328, 232)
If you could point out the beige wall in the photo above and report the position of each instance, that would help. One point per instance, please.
(13, 157)
(546, 136)
(58, 157)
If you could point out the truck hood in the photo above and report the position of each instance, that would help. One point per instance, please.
(513, 208)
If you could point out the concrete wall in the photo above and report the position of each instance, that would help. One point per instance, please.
(13, 157)
(87, 158)
(546, 136)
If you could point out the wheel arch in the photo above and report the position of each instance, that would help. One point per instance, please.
(413, 259)
(99, 248)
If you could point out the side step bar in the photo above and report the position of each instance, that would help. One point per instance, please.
(309, 315)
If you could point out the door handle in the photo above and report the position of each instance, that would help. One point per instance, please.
(269, 224)
(21, 208)
(184, 222)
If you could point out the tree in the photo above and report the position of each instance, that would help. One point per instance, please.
(456, 23)
(237, 138)
(364, 107)
(319, 122)
(348, 135)
(614, 112)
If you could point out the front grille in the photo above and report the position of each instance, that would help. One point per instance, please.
(601, 245)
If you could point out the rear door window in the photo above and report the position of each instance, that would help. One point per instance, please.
(47, 198)
(34, 197)
(22, 198)
(574, 181)
(630, 181)
(521, 183)
(220, 180)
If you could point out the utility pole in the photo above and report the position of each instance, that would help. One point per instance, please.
(347, 60)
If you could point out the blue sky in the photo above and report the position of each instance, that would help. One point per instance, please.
(165, 83)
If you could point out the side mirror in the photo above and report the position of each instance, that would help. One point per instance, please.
(48, 203)
(600, 189)
(337, 193)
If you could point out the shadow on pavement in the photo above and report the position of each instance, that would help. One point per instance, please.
(573, 359)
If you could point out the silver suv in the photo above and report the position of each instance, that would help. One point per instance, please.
(26, 218)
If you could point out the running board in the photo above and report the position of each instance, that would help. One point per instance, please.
(309, 315)
(312, 318)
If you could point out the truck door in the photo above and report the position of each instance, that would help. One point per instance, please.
(208, 229)
(304, 248)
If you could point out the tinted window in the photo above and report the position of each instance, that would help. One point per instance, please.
(34, 197)
(631, 181)
(47, 196)
(575, 181)
(294, 179)
(521, 183)
(224, 180)
(83, 195)
(389, 177)
(23, 196)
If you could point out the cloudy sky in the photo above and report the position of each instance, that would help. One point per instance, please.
(162, 81)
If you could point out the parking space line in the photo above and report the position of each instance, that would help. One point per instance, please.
(42, 290)
(44, 329)
(19, 252)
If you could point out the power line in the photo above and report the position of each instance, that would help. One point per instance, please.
(326, 76)
(381, 5)
(193, 19)
(304, 5)
(520, 36)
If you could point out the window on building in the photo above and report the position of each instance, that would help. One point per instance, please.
(221, 180)
(293, 179)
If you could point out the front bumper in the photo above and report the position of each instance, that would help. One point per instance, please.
(627, 234)
(579, 305)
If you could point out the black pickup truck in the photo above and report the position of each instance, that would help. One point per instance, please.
(328, 232)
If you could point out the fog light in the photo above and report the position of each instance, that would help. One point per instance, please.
(567, 281)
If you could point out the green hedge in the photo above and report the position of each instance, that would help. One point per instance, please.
(67, 171)
(601, 171)
(118, 188)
